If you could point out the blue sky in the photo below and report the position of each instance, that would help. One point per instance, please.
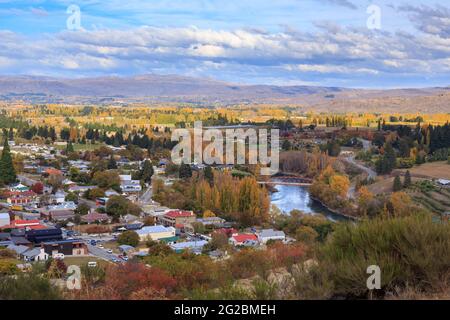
(312, 42)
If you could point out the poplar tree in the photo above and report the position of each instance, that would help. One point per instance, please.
(7, 172)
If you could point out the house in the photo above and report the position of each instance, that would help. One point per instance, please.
(270, 234)
(211, 221)
(94, 217)
(58, 215)
(240, 239)
(130, 186)
(53, 172)
(80, 189)
(19, 188)
(59, 197)
(35, 254)
(4, 219)
(125, 249)
(21, 197)
(155, 233)
(174, 218)
(66, 247)
(66, 205)
(18, 249)
(33, 224)
(194, 246)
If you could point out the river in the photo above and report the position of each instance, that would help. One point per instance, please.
(289, 198)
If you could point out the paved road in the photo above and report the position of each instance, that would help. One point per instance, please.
(146, 197)
(101, 253)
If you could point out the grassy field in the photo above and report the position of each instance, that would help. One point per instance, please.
(82, 147)
(432, 170)
(79, 261)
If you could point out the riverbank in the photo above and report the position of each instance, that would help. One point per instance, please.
(346, 216)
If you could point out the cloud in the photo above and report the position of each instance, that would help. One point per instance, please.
(431, 20)
(329, 54)
(343, 3)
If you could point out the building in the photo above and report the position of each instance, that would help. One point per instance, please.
(130, 186)
(59, 197)
(4, 219)
(241, 239)
(94, 217)
(270, 234)
(21, 197)
(155, 233)
(35, 254)
(58, 215)
(211, 221)
(194, 246)
(66, 247)
(174, 218)
(44, 235)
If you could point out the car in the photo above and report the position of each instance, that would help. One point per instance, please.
(92, 264)
(109, 251)
(115, 260)
(58, 256)
(101, 246)
(125, 258)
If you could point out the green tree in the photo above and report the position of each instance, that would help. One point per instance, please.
(209, 175)
(147, 171)
(407, 181)
(397, 184)
(130, 238)
(7, 172)
(185, 171)
(69, 147)
(112, 164)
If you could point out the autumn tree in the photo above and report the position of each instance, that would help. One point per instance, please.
(130, 238)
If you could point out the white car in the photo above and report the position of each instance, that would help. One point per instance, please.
(101, 246)
(59, 256)
(109, 251)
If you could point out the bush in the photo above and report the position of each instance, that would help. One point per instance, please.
(411, 251)
(130, 238)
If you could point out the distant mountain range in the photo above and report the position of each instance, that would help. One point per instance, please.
(171, 88)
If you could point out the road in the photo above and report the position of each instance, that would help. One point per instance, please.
(146, 197)
(371, 174)
(101, 253)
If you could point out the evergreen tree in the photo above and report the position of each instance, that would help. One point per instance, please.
(407, 181)
(209, 175)
(397, 184)
(185, 171)
(147, 171)
(69, 147)
(7, 172)
(112, 164)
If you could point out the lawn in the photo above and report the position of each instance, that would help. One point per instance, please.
(432, 170)
(79, 261)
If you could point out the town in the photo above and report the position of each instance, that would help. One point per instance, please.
(111, 201)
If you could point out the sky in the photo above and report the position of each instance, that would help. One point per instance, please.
(344, 43)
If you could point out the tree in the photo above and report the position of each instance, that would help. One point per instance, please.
(82, 209)
(69, 147)
(306, 234)
(112, 164)
(147, 171)
(185, 171)
(209, 175)
(118, 206)
(407, 181)
(7, 172)
(106, 179)
(38, 188)
(208, 214)
(130, 238)
(397, 184)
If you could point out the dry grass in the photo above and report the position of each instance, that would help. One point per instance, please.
(432, 170)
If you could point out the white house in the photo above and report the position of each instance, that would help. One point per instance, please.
(155, 232)
(4, 219)
(270, 234)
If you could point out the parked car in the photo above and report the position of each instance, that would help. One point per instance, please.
(59, 256)
(109, 251)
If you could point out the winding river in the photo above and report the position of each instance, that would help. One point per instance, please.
(288, 198)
